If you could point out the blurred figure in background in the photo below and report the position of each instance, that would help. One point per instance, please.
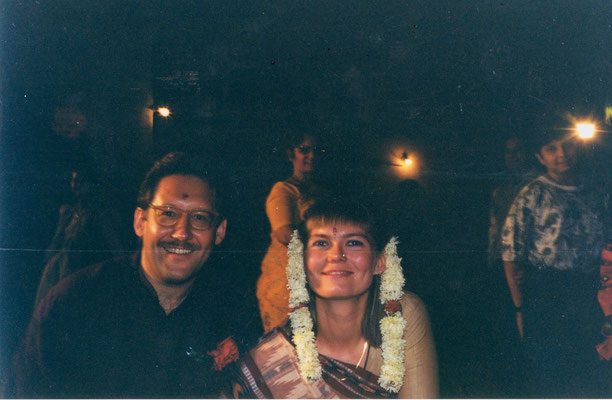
(551, 246)
(88, 231)
(517, 174)
(605, 301)
(285, 207)
(504, 349)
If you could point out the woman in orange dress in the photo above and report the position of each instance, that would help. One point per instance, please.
(285, 207)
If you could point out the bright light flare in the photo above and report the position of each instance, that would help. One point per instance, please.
(163, 111)
(406, 159)
(585, 130)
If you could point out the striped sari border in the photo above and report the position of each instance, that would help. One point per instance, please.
(254, 378)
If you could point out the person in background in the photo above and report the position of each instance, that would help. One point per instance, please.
(353, 332)
(87, 231)
(517, 174)
(551, 243)
(153, 324)
(605, 301)
(504, 350)
(285, 207)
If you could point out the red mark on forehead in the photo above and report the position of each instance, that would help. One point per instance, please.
(335, 231)
(185, 195)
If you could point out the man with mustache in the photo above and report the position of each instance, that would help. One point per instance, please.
(151, 325)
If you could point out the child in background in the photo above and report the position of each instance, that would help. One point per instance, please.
(551, 243)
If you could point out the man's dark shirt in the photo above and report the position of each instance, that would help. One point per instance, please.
(101, 332)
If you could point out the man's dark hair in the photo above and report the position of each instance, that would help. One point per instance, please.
(180, 164)
(548, 128)
(294, 139)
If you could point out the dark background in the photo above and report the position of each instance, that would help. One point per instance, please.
(444, 80)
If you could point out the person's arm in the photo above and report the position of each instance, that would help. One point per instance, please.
(514, 276)
(283, 234)
(515, 236)
(281, 209)
(421, 379)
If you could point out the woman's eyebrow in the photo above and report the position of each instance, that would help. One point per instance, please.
(362, 235)
(344, 236)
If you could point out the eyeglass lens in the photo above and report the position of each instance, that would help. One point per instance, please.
(198, 219)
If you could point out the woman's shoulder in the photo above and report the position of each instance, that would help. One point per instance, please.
(284, 187)
(410, 299)
(412, 304)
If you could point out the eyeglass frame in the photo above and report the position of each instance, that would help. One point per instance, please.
(307, 149)
(215, 221)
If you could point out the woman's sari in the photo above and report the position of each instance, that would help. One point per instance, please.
(271, 370)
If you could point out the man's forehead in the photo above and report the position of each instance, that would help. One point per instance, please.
(183, 187)
(560, 141)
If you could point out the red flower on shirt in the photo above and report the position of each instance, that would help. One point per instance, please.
(226, 353)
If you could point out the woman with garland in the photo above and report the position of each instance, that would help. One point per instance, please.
(285, 207)
(353, 332)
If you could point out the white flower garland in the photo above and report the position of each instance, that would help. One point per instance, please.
(296, 276)
(392, 279)
(301, 320)
(392, 326)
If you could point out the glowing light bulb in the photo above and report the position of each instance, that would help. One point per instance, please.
(163, 111)
(407, 160)
(585, 130)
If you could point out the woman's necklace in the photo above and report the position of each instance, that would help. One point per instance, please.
(366, 347)
(363, 352)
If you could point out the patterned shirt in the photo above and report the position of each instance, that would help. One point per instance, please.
(501, 200)
(555, 226)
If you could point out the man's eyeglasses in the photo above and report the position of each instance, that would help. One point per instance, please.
(201, 220)
(307, 149)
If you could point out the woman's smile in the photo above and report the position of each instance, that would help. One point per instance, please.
(337, 273)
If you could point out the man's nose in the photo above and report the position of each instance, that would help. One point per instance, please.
(182, 228)
(561, 151)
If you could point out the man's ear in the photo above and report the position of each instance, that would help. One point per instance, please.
(290, 154)
(381, 264)
(540, 159)
(220, 234)
(139, 219)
